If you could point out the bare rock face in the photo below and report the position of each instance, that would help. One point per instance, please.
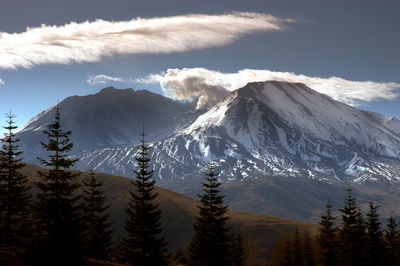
(107, 119)
(274, 128)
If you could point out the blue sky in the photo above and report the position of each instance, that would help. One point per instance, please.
(220, 43)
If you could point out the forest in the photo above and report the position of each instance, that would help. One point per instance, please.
(60, 221)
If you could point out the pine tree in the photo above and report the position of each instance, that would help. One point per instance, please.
(392, 241)
(236, 250)
(57, 206)
(144, 245)
(297, 249)
(211, 240)
(308, 252)
(375, 243)
(327, 238)
(15, 210)
(287, 254)
(352, 232)
(97, 235)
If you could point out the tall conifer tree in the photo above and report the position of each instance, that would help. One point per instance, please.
(287, 259)
(308, 252)
(375, 243)
(57, 207)
(297, 249)
(15, 209)
(392, 241)
(236, 251)
(327, 238)
(97, 232)
(352, 232)
(143, 244)
(211, 240)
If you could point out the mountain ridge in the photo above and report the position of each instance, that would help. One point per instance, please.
(271, 127)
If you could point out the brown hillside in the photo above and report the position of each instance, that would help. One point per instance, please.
(259, 231)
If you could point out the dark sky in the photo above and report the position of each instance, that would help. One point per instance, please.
(353, 40)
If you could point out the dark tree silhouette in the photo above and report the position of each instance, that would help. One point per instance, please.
(375, 243)
(143, 244)
(327, 238)
(15, 210)
(97, 232)
(287, 254)
(297, 249)
(352, 232)
(57, 206)
(392, 241)
(236, 250)
(308, 252)
(211, 240)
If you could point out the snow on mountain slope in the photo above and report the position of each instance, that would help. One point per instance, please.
(247, 113)
(109, 118)
(276, 128)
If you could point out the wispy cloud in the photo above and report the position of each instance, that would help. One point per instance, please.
(210, 86)
(104, 79)
(2, 82)
(90, 41)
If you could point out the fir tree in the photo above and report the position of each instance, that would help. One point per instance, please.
(57, 206)
(352, 232)
(211, 240)
(327, 238)
(143, 244)
(308, 252)
(287, 254)
(97, 235)
(392, 242)
(297, 249)
(375, 243)
(15, 227)
(237, 256)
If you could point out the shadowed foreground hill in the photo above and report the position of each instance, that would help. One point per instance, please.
(302, 199)
(259, 232)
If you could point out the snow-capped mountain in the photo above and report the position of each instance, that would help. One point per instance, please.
(273, 128)
(276, 128)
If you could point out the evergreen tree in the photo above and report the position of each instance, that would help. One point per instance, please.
(97, 236)
(375, 243)
(352, 232)
(237, 256)
(392, 242)
(15, 227)
(297, 249)
(287, 254)
(308, 252)
(143, 244)
(57, 206)
(327, 238)
(211, 240)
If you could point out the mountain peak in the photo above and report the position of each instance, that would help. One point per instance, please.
(112, 90)
(251, 89)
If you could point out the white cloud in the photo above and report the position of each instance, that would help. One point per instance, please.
(210, 86)
(90, 41)
(2, 82)
(103, 79)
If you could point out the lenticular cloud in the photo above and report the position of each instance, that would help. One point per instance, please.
(103, 79)
(90, 41)
(209, 87)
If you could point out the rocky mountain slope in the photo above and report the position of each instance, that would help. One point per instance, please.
(109, 118)
(273, 128)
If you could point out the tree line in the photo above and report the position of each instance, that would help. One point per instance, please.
(356, 239)
(61, 221)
